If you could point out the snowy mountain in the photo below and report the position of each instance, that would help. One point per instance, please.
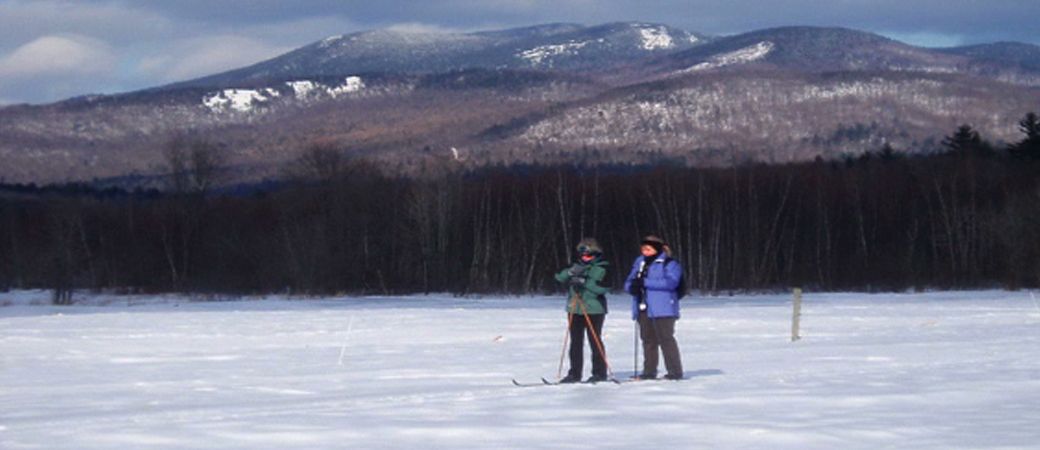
(721, 118)
(1008, 61)
(555, 46)
(811, 49)
(1014, 54)
(614, 93)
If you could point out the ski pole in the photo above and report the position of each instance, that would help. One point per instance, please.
(566, 336)
(635, 348)
(640, 275)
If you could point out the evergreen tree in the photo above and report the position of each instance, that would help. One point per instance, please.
(966, 142)
(1028, 148)
(889, 154)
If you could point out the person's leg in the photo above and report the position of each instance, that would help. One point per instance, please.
(599, 363)
(669, 347)
(577, 358)
(649, 338)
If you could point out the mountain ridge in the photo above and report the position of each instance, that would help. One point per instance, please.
(393, 51)
(625, 91)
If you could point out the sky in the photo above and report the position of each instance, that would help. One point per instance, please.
(55, 49)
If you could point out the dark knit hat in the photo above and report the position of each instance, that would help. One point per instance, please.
(656, 242)
(589, 246)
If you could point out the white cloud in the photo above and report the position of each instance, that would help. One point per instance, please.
(59, 56)
(51, 49)
(21, 21)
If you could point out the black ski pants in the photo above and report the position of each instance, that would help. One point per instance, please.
(579, 329)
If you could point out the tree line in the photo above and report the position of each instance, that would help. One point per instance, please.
(965, 217)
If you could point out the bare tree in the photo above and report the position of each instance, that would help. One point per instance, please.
(194, 164)
(320, 161)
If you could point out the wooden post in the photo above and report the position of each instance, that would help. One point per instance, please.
(797, 315)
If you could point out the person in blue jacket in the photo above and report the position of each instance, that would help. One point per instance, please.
(654, 283)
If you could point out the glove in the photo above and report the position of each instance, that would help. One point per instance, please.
(577, 282)
(636, 287)
(577, 270)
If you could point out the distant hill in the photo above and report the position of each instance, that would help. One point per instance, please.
(544, 47)
(613, 93)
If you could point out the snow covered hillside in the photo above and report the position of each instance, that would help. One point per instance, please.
(937, 370)
(246, 100)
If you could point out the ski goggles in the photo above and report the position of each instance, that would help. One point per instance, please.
(586, 250)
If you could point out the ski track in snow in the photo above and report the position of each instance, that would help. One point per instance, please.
(935, 370)
(742, 56)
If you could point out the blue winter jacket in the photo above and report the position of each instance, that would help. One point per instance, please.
(662, 282)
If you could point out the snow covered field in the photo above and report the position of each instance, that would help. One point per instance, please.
(937, 370)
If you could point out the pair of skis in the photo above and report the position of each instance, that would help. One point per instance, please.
(576, 300)
(545, 382)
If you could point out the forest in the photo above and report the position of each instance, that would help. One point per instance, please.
(965, 217)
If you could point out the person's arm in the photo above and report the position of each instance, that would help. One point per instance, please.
(575, 272)
(592, 280)
(670, 280)
(631, 276)
(563, 275)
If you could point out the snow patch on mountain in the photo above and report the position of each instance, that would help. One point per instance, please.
(246, 100)
(544, 53)
(926, 69)
(742, 56)
(240, 100)
(325, 43)
(351, 84)
(917, 92)
(302, 89)
(656, 38)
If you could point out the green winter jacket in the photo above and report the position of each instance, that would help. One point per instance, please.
(590, 293)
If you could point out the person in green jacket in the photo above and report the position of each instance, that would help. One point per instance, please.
(586, 309)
